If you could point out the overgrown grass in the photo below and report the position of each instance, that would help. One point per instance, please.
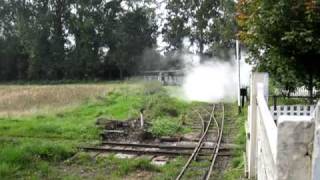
(34, 146)
(25, 158)
(126, 166)
(164, 126)
(108, 166)
(16, 100)
(40, 146)
(172, 169)
(236, 171)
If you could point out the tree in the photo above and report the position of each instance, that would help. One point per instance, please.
(13, 59)
(60, 12)
(176, 27)
(56, 39)
(283, 34)
(206, 23)
(135, 33)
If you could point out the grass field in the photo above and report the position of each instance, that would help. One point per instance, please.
(18, 100)
(42, 126)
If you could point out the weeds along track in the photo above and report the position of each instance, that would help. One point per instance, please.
(202, 166)
(203, 150)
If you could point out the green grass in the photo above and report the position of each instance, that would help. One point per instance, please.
(35, 146)
(45, 146)
(172, 169)
(28, 157)
(236, 171)
(127, 166)
(108, 166)
(78, 123)
(164, 126)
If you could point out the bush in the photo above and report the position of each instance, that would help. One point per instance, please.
(164, 126)
(161, 104)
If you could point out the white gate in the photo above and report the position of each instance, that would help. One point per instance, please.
(288, 150)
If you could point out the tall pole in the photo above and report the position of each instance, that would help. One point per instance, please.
(238, 70)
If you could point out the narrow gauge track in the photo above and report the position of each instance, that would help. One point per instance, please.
(214, 153)
(225, 147)
(150, 151)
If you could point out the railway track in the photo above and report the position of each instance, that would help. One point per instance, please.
(207, 163)
(151, 151)
(203, 150)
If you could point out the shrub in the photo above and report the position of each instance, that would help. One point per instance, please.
(161, 104)
(164, 126)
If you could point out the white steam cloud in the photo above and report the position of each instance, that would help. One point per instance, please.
(212, 81)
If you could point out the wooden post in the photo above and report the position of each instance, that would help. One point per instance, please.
(141, 118)
(252, 122)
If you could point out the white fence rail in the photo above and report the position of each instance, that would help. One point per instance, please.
(288, 150)
(291, 110)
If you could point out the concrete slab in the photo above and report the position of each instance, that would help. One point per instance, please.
(125, 156)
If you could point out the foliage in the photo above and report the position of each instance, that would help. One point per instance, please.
(161, 105)
(203, 22)
(283, 38)
(133, 35)
(123, 106)
(165, 126)
(56, 39)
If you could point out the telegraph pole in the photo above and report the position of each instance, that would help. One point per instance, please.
(238, 74)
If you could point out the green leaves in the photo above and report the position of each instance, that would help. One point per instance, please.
(56, 39)
(203, 22)
(287, 32)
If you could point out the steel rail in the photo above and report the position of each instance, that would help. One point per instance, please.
(160, 146)
(197, 148)
(149, 151)
(216, 151)
(202, 123)
(204, 131)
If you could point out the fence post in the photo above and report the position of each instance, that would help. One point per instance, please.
(252, 122)
(316, 145)
(295, 138)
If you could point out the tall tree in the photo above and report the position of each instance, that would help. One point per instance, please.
(176, 27)
(56, 39)
(203, 22)
(283, 34)
(60, 12)
(13, 59)
(134, 34)
(84, 26)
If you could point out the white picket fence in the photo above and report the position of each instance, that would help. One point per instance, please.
(291, 110)
(288, 150)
